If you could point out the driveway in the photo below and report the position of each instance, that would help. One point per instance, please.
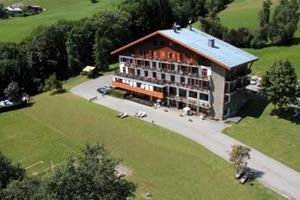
(274, 174)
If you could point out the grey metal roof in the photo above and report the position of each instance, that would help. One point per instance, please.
(222, 52)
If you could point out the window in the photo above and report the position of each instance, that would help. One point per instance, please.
(138, 72)
(138, 85)
(154, 64)
(170, 55)
(163, 77)
(172, 78)
(204, 73)
(182, 93)
(193, 94)
(154, 74)
(203, 97)
(154, 42)
(182, 80)
(172, 91)
(157, 89)
(146, 73)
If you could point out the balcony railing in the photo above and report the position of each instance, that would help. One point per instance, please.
(173, 72)
(190, 101)
(239, 84)
(162, 82)
(239, 75)
(141, 78)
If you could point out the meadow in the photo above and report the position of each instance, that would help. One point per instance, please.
(244, 13)
(16, 29)
(162, 162)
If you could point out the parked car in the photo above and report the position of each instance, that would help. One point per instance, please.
(253, 81)
(239, 174)
(244, 179)
(108, 86)
(104, 90)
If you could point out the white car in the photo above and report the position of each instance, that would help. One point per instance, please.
(253, 81)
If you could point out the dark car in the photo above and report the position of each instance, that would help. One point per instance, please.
(104, 90)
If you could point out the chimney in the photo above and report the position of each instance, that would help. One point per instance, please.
(174, 27)
(211, 42)
(190, 26)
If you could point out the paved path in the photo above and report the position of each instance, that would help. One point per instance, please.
(274, 174)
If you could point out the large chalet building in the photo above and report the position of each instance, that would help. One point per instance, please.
(185, 67)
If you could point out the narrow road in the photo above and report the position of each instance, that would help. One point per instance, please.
(271, 173)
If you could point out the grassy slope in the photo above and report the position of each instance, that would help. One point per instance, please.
(168, 165)
(244, 13)
(277, 137)
(18, 28)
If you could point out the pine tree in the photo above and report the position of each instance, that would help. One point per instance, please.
(264, 20)
(279, 85)
(101, 54)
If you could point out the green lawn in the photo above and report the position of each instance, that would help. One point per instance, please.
(164, 163)
(276, 137)
(17, 28)
(243, 13)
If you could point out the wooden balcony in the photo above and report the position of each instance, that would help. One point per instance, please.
(124, 86)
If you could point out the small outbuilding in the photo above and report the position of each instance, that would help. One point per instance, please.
(88, 69)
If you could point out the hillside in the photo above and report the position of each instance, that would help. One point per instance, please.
(17, 28)
(243, 13)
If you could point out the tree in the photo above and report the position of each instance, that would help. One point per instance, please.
(92, 176)
(13, 92)
(280, 84)
(239, 156)
(101, 54)
(3, 13)
(213, 26)
(264, 20)
(52, 83)
(284, 22)
(240, 37)
(24, 189)
(9, 172)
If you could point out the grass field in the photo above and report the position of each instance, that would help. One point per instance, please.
(243, 13)
(162, 162)
(276, 137)
(17, 28)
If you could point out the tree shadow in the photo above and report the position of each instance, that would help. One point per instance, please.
(254, 174)
(16, 107)
(288, 115)
(57, 92)
(254, 107)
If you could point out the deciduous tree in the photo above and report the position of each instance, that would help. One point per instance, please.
(239, 156)
(280, 84)
(9, 171)
(285, 21)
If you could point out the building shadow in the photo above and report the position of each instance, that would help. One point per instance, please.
(254, 106)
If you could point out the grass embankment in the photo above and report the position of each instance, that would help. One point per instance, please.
(15, 29)
(164, 163)
(276, 137)
(244, 13)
